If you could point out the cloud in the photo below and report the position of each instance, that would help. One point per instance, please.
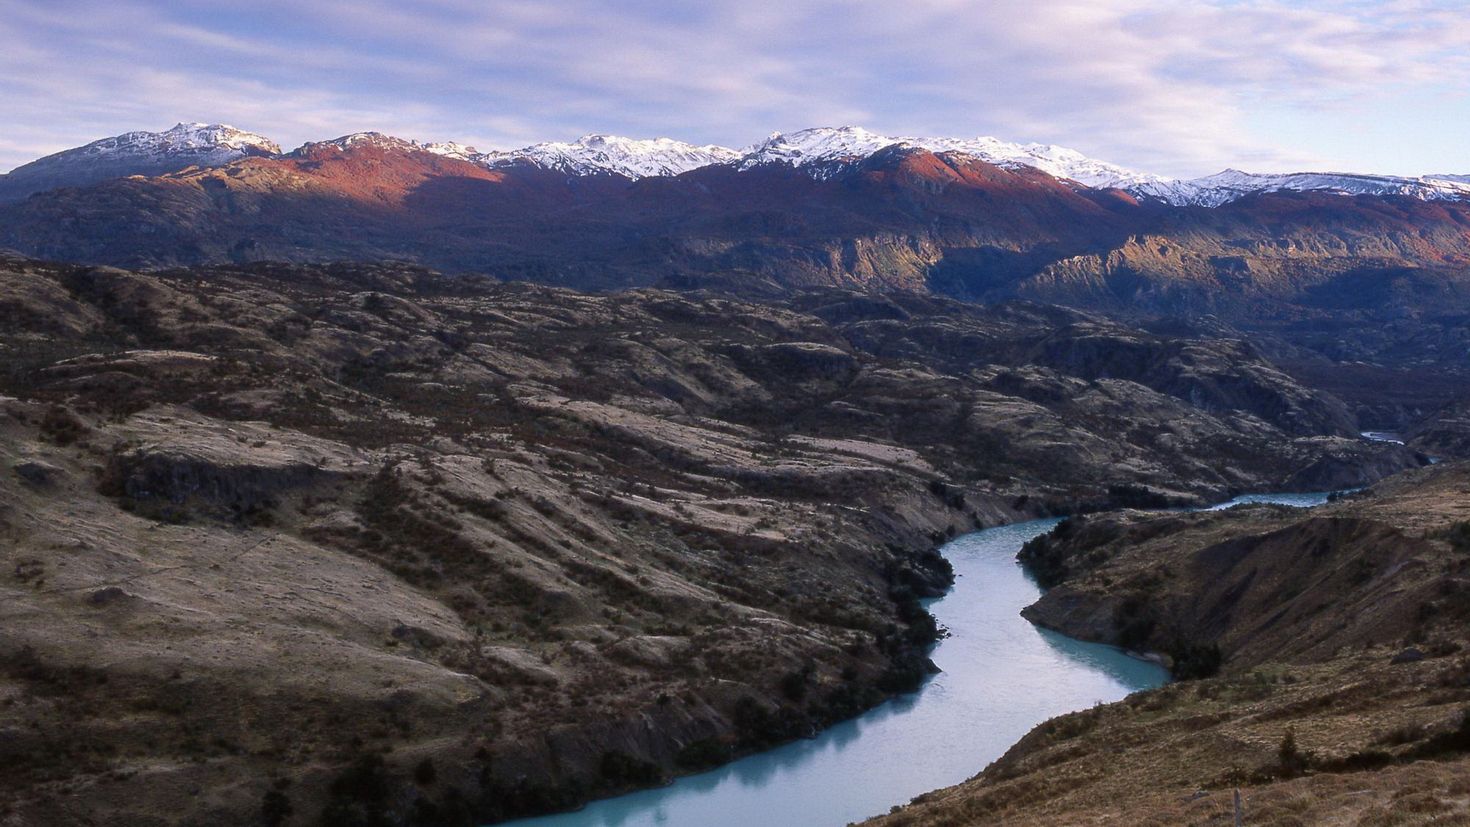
(1174, 87)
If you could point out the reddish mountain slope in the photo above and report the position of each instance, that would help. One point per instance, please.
(1340, 274)
(884, 222)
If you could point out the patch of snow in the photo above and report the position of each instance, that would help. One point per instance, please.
(1232, 184)
(136, 153)
(450, 149)
(613, 155)
(1459, 179)
(376, 139)
(820, 150)
(211, 144)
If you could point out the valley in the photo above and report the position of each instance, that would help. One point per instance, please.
(364, 539)
(384, 483)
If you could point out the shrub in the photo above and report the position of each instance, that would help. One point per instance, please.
(793, 684)
(1454, 741)
(1459, 536)
(620, 769)
(1291, 760)
(1193, 661)
(275, 808)
(359, 796)
(61, 427)
(702, 754)
(1134, 623)
(1044, 557)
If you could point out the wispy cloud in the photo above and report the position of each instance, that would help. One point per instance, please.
(1169, 86)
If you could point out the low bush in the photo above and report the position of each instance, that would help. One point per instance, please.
(702, 754)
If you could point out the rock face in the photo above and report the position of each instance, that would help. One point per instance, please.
(1338, 635)
(1260, 582)
(555, 544)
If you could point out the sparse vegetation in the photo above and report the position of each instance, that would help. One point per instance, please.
(456, 500)
(1303, 693)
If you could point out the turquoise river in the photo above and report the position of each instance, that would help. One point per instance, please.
(1001, 677)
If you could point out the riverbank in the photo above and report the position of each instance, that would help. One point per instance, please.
(1343, 681)
(1000, 677)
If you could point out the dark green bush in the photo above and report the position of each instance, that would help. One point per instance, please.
(702, 754)
(620, 769)
(275, 808)
(1193, 661)
(1459, 536)
(358, 796)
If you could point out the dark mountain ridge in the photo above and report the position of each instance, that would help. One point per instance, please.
(1320, 280)
(901, 218)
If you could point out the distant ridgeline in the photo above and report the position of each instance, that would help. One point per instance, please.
(976, 218)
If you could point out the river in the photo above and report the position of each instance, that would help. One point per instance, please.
(1002, 676)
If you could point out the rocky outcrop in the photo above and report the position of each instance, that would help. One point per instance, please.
(187, 462)
(1258, 582)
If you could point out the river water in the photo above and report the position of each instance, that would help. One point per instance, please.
(1002, 676)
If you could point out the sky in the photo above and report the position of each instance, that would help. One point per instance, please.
(1173, 87)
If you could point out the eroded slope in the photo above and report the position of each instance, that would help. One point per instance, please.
(369, 539)
(1343, 693)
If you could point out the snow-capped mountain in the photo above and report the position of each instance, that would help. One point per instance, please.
(358, 139)
(136, 153)
(821, 150)
(610, 154)
(1232, 184)
(588, 155)
(451, 149)
(211, 144)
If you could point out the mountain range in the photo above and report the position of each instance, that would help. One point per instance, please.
(1323, 270)
(819, 151)
(400, 483)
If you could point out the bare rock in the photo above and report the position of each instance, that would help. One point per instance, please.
(37, 473)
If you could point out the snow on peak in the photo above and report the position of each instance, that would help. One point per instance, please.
(359, 139)
(818, 146)
(135, 153)
(215, 136)
(379, 140)
(204, 144)
(818, 149)
(451, 149)
(588, 155)
(611, 154)
(1233, 184)
(819, 152)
